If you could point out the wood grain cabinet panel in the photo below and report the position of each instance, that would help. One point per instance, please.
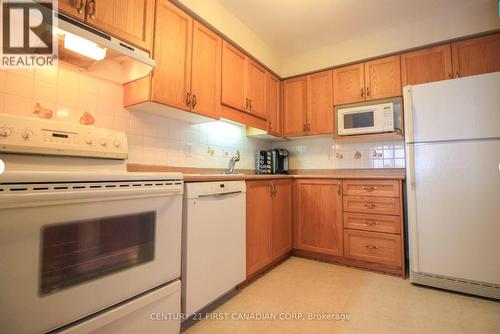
(73, 8)
(320, 103)
(349, 84)
(233, 77)
(273, 103)
(171, 77)
(371, 222)
(378, 205)
(205, 71)
(294, 106)
(387, 188)
(256, 89)
(373, 247)
(383, 78)
(281, 231)
(130, 20)
(426, 65)
(319, 216)
(476, 56)
(259, 219)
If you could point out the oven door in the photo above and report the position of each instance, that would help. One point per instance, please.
(67, 253)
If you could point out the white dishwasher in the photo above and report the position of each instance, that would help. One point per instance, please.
(214, 242)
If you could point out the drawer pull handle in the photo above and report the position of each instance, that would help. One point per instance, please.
(370, 206)
(370, 189)
(370, 223)
(371, 247)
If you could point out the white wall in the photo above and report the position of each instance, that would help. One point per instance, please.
(479, 17)
(223, 20)
(152, 139)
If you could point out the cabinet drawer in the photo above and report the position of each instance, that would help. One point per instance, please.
(384, 188)
(365, 204)
(370, 222)
(373, 247)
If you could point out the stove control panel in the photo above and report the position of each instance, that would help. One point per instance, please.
(28, 135)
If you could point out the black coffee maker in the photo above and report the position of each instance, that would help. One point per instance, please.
(279, 161)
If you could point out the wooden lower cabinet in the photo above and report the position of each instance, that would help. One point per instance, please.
(333, 223)
(318, 216)
(269, 227)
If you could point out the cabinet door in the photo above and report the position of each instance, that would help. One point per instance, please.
(476, 56)
(348, 84)
(256, 89)
(273, 103)
(73, 8)
(130, 20)
(259, 213)
(294, 106)
(233, 77)
(205, 71)
(172, 52)
(320, 103)
(383, 78)
(427, 65)
(281, 231)
(319, 216)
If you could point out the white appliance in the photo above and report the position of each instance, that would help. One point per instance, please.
(214, 242)
(366, 118)
(453, 183)
(85, 247)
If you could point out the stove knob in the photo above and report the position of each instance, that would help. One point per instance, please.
(103, 141)
(88, 140)
(27, 134)
(5, 132)
(117, 143)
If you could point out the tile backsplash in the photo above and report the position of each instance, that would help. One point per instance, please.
(323, 153)
(70, 95)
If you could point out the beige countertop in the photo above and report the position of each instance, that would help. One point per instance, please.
(201, 174)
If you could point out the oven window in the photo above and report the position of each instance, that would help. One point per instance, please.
(76, 252)
(359, 120)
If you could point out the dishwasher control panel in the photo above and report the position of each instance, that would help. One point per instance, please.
(203, 189)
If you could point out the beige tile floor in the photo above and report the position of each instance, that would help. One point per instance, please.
(376, 303)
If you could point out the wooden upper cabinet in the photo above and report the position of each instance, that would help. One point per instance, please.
(383, 78)
(130, 20)
(294, 106)
(205, 71)
(281, 231)
(233, 77)
(273, 103)
(426, 65)
(318, 225)
(172, 52)
(73, 8)
(258, 236)
(476, 56)
(256, 89)
(320, 103)
(349, 84)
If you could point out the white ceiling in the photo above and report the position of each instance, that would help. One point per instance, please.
(291, 27)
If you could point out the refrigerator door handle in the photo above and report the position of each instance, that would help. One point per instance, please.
(412, 208)
(408, 115)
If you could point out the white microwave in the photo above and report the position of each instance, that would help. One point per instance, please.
(374, 118)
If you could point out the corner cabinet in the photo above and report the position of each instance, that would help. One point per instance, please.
(318, 216)
(426, 65)
(269, 229)
(273, 104)
(308, 105)
(187, 72)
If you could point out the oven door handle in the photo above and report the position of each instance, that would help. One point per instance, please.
(31, 199)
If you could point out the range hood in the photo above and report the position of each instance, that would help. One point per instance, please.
(100, 54)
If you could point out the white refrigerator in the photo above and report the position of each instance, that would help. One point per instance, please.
(453, 183)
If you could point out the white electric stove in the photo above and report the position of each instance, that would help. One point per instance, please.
(85, 246)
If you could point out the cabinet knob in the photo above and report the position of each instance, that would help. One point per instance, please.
(80, 7)
(369, 188)
(371, 247)
(370, 205)
(91, 9)
(457, 74)
(362, 92)
(367, 91)
(370, 223)
(188, 99)
(194, 101)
